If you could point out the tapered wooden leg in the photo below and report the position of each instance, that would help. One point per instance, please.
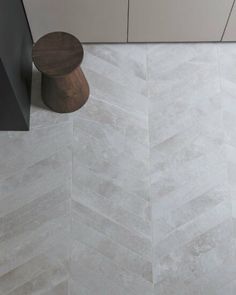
(66, 93)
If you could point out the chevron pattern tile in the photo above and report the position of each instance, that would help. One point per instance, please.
(111, 222)
(35, 187)
(191, 204)
(134, 194)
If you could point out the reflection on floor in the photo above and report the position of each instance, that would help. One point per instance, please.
(135, 193)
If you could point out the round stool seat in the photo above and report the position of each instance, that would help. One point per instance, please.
(58, 57)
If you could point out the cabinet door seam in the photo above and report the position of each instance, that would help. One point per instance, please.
(231, 10)
(128, 11)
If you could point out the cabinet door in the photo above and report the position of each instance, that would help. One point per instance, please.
(230, 32)
(177, 20)
(89, 20)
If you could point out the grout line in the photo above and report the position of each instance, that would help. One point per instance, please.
(70, 209)
(108, 200)
(227, 21)
(223, 127)
(111, 219)
(149, 169)
(136, 114)
(149, 165)
(145, 257)
(111, 259)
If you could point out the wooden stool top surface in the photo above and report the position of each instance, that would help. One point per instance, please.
(57, 54)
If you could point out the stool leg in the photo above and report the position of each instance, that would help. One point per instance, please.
(65, 94)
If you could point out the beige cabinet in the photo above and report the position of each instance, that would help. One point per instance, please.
(230, 32)
(178, 20)
(134, 20)
(89, 20)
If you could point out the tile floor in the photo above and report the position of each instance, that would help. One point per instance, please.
(135, 193)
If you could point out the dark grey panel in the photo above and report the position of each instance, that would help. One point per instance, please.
(16, 66)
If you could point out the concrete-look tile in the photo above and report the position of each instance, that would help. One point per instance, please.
(191, 230)
(110, 154)
(110, 210)
(89, 182)
(99, 275)
(107, 69)
(43, 283)
(22, 274)
(60, 289)
(201, 255)
(129, 59)
(188, 212)
(128, 238)
(112, 140)
(33, 182)
(17, 248)
(21, 150)
(172, 189)
(110, 91)
(28, 271)
(112, 157)
(78, 289)
(190, 193)
(133, 194)
(207, 283)
(36, 212)
(120, 255)
(109, 117)
(177, 116)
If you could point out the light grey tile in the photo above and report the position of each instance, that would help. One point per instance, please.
(16, 249)
(43, 283)
(110, 210)
(112, 92)
(128, 238)
(113, 118)
(20, 150)
(60, 289)
(29, 271)
(151, 194)
(188, 212)
(34, 181)
(190, 193)
(130, 59)
(112, 157)
(107, 69)
(89, 182)
(120, 255)
(37, 212)
(96, 273)
(110, 148)
(200, 256)
(78, 289)
(191, 230)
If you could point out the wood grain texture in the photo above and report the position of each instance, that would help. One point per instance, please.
(67, 93)
(58, 56)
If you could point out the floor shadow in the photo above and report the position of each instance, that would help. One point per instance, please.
(36, 98)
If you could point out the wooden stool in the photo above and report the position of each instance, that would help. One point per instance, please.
(58, 57)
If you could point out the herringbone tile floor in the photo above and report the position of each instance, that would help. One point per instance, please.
(135, 193)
